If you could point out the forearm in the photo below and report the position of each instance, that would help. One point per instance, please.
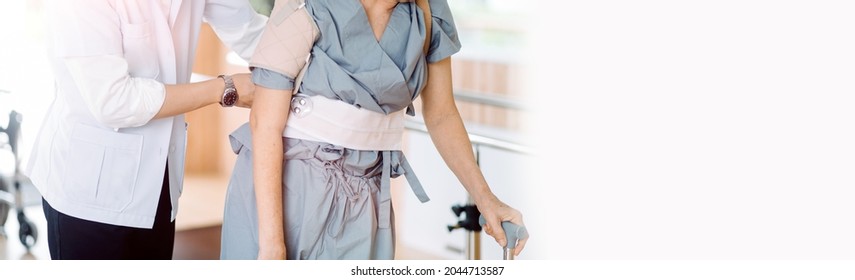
(267, 121)
(448, 133)
(184, 98)
(267, 178)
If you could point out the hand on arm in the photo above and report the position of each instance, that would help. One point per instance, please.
(119, 100)
(451, 140)
(267, 120)
(101, 75)
(184, 98)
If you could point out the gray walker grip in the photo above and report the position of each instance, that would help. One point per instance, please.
(513, 233)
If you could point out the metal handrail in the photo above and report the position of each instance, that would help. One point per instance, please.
(477, 139)
(489, 99)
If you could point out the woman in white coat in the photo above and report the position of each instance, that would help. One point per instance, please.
(109, 158)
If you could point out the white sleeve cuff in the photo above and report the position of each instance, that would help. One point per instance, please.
(113, 97)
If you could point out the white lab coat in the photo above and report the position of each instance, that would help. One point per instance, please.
(90, 169)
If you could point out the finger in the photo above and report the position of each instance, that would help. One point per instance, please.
(516, 218)
(498, 232)
(520, 246)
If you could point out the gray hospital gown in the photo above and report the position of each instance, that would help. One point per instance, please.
(337, 202)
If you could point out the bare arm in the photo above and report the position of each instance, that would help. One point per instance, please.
(184, 98)
(446, 129)
(267, 120)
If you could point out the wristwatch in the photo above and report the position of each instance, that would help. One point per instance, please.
(230, 94)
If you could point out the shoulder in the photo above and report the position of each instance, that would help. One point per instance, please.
(439, 9)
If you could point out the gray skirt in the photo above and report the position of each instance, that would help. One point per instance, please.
(337, 201)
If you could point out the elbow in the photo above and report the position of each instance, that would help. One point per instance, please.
(118, 120)
(121, 113)
(106, 116)
(109, 121)
(254, 121)
(127, 105)
(435, 117)
(263, 126)
(265, 129)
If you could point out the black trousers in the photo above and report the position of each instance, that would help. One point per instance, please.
(70, 238)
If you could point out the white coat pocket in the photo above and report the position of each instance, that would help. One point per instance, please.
(102, 167)
(140, 49)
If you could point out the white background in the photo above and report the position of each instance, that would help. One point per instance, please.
(695, 129)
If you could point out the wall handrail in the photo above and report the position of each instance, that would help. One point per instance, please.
(477, 139)
(489, 99)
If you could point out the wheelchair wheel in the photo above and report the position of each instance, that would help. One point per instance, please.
(4, 205)
(27, 232)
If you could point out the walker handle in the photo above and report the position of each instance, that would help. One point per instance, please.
(513, 232)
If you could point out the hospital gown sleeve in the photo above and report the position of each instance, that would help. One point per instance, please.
(444, 40)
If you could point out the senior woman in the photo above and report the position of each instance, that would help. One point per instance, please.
(323, 190)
